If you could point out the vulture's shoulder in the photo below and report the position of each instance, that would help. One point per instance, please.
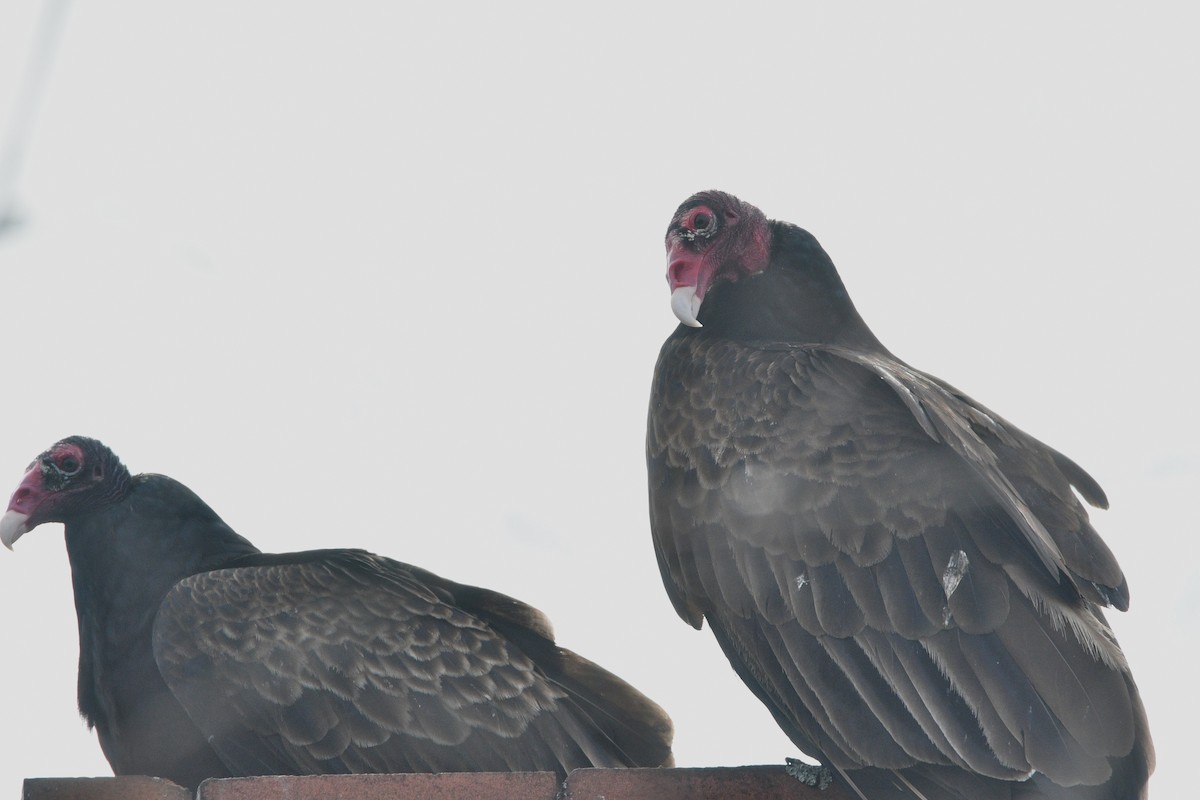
(858, 444)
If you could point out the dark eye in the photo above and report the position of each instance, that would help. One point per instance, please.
(69, 465)
(701, 221)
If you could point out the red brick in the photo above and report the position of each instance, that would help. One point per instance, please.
(126, 787)
(440, 786)
(710, 783)
(706, 783)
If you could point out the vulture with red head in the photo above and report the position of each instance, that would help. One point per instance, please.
(200, 656)
(905, 579)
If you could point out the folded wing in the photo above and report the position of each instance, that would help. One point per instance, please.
(341, 661)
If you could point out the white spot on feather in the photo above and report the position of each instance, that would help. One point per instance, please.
(801, 581)
(956, 568)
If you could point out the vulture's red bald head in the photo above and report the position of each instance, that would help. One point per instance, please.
(72, 475)
(713, 237)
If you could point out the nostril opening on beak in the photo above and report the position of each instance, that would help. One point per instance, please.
(683, 272)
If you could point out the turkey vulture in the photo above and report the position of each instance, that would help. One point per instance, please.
(905, 579)
(200, 656)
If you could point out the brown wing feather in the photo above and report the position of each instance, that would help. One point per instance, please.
(345, 662)
(902, 576)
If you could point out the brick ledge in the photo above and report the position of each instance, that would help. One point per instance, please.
(767, 782)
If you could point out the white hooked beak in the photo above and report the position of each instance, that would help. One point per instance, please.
(686, 305)
(13, 527)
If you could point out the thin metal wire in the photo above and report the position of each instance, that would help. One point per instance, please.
(29, 94)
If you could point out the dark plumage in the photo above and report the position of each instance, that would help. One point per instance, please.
(202, 657)
(905, 579)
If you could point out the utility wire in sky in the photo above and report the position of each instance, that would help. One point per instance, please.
(29, 91)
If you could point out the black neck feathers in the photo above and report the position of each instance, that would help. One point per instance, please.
(798, 299)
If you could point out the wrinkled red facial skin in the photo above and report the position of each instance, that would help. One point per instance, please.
(684, 269)
(724, 239)
(685, 262)
(30, 496)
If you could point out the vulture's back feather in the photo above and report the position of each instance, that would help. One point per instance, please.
(341, 661)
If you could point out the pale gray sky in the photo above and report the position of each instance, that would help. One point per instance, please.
(362, 274)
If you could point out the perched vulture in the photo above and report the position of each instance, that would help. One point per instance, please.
(200, 656)
(905, 579)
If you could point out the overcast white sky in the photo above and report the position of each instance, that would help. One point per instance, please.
(362, 274)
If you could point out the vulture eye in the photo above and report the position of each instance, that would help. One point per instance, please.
(702, 222)
(69, 465)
